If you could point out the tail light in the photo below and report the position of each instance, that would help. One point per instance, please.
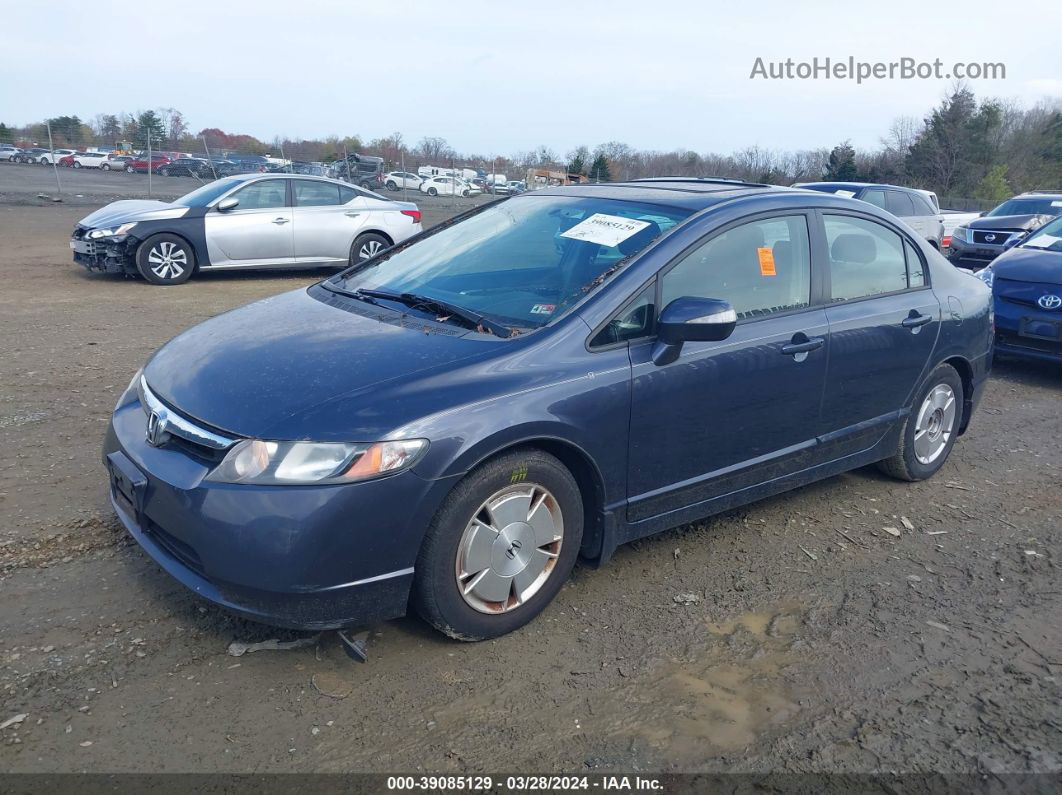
(945, 241)
(414, 214)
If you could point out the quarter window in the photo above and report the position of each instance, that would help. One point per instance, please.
(262, 195)
(916, 274)
(632, 322)
(760, 267)
(866, 258)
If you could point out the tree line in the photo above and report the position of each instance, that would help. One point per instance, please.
(985, 149)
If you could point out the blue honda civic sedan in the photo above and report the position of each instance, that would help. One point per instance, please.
(1027, 284)
(447, 426)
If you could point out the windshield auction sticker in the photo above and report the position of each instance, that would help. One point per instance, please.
(605, 230)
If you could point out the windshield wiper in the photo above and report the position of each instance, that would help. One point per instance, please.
(475, 321)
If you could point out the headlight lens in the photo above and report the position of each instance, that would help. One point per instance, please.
(986, 275)
(294, 463)
(960, 234)
(114, 231)
(133, 384)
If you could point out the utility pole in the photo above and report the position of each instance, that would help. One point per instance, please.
(149, 162)
(207, 150)
(55, 166)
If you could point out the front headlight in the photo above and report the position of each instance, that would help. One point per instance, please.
(114, 231)
(302, 463)
(960, 234)
(986, 275)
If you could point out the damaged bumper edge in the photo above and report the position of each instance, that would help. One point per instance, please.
(106, 255)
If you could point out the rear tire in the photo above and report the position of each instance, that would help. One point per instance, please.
(77, 164)
(367, 246)
(501, 546)
(105, 167)
(433, 192)
(130, 170)
(165, 260)
(930, 430)
(391, 186)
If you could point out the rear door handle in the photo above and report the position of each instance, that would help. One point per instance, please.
(805, 346)
(915, 320)
(351, 214)
(280, 220)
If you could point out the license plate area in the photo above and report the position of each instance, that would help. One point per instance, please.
(127, 485)
(1039, 329)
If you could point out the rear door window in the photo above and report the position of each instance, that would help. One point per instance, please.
(866, 258)
(899, 204)
(875, 197)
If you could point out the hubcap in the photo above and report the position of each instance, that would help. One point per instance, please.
(935, 424)
(167, 260)
(510, 548)
(370, 249)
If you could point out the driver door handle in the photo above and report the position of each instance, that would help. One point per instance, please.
(351, 214)
(281, 220)
(812, 344)
(915, 320)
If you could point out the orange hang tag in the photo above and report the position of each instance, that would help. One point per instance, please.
(766, 262)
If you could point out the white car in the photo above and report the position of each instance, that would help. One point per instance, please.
(448, 186)
(396, 180)
(8, 152)
(89, 159)
(46, 158)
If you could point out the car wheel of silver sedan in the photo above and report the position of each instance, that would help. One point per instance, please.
(930, 430)
(501, 546)
(368, 246)
(165, 259)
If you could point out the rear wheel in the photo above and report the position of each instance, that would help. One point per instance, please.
(165, 259)
(930, 430)
(433, 192)
(391, 185)
(130, 170)
(501, 546)
(165, 172)
(105, 167)
(77, 164)
(367, 246)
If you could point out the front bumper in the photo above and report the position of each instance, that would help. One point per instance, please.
(1028, 332)
(972, 255)
(303, 557)
(106, 255)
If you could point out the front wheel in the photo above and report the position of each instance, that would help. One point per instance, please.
(367, 246)
(433, 192)
(930, 430)
(391, 185)
(501, 546)
(165, 172)
(105, 167)
(165, 260)
(77, 164)
(130, 170)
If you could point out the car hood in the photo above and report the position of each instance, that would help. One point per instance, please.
(123, 212)
(1029, 265)
(259, 370)
(1009, 222)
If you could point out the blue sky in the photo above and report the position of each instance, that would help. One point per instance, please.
(495, 77)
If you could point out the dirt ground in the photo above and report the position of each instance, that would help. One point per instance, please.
(796, 634)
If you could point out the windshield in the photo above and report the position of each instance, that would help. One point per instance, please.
(201, 197)
(1045, 206)
(524, 261)
(1047, 237)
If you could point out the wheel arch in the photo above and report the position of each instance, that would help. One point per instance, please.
(583, 468)
(965, 371)
(196, 255)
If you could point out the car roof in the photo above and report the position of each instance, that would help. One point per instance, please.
(694, 193)
(857, 185)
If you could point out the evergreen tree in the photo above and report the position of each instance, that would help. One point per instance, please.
(599, 171)
(841, 166)
(148, 123)
(6, 135)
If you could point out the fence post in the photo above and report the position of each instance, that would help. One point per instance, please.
(55, 166)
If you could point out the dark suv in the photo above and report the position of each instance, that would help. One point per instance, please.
(979, 242)
(365, 171)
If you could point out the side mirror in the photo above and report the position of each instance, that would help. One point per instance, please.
(691, 320)
(982, 215)
(225, 205)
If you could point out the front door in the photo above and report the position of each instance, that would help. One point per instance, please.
(884, 320)
(727, 415)
(258, 231)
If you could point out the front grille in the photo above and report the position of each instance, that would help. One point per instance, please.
(1024, 293)
(182, 432)
(999, 237)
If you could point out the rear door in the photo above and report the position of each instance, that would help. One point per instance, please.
(899, 204)
(328, 217)
(258, 232)
(883, 325)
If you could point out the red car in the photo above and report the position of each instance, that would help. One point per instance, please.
(141, 164)
(67, 161)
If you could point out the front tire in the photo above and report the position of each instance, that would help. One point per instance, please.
(501, 546)
(165, 260)
(930, 430)
(391, 185)
(77, 164)
(105, 167)
(130, 170)
(433, 192)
